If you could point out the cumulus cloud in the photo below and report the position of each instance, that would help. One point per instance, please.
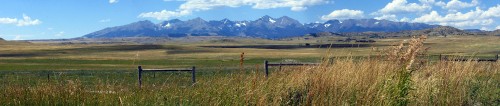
(18, 37)
(498, 27)
(164, 14)
(402, 6)
(8, 20)
(390, 17)
(405, 19)
(428, 2)
(25, 21)
(191, 6)
(457, 4)
(399, 7)
(298, 8)
(113, 1)
(344, 14)
(477, 17)
(440, 3)
(452, 6)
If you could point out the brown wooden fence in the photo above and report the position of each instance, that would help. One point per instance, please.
(267, 65)
(192, 70)
(447, 58)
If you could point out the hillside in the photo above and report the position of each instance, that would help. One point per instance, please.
(264, 27)
(437, 31)
(141, 28)
(496, 32)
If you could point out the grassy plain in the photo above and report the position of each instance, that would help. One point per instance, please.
(105, 74)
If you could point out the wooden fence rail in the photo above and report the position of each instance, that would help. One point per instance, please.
(445, 58)
(192, 70)
(267, 65)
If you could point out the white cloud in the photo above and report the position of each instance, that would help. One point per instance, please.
(113, 1)
(405, 19)
(105, 20)
(191, 6)
(18, 37)
(485, 29)
(492, 12)
(298, 8)
(25, 21)
(428, 2)
(8, 20)
(398, 7)
(164, 14)
(344, 14)
(440, 3)
(498, 27)
(457, 4)
(472, 18)
(60, 34)
(387, 17)
(402, 6)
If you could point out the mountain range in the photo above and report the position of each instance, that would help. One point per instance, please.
(264, 27)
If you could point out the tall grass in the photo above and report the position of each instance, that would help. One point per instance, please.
(400, 78)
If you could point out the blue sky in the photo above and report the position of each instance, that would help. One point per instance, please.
(54, 19)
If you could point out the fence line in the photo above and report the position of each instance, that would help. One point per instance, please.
(267, 64)
(445, 58)
(266, 67)
(192, 70)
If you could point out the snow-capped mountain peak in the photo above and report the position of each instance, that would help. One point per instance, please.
(271, 20)
(327, 25)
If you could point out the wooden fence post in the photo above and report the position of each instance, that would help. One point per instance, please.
(48, 76)
(496, 57)
(266, 68)
(440, 57)
(193, 74)
(280, 66)
(140, 76)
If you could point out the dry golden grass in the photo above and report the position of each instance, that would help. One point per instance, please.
(398, 79)
(345, 82)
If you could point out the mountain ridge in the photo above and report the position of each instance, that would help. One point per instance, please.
(264, 27)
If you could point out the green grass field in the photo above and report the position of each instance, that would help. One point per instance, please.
(106, 74)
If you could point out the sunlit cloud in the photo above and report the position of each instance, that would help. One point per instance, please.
(191, 6)
(476, 17)
(344, 14)
(113, 1)
(25, 21)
